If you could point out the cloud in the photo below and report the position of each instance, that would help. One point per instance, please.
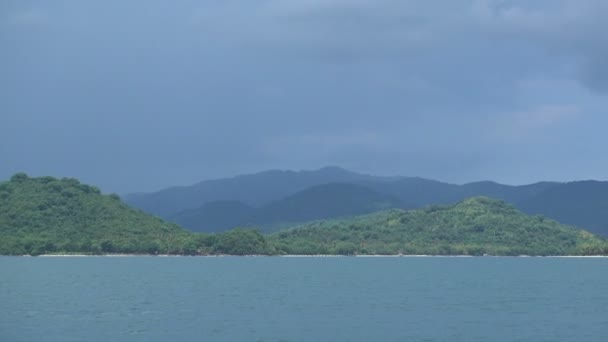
(339, 31)
(246, 85)
(325, 143)
(533, 124)
(25, 18)
(548, 115)
(331, 30)
(574, 29)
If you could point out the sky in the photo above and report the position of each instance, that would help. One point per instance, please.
(139, 95)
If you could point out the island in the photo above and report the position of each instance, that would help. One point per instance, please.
(47, 215)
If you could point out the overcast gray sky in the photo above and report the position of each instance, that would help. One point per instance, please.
(139, 95)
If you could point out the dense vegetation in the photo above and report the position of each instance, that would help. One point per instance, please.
(582, 204)
(475, 226)
(47, 215)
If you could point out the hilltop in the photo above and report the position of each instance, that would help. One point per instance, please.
(318, 202)
(475, 226)
(49, 215)
(583, 204)
(46, 215)
(253, 190)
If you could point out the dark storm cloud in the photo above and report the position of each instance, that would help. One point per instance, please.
(139, 95)
(566, 28)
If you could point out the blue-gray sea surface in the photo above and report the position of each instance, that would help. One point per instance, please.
(303, 299)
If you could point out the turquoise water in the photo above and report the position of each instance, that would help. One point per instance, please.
(303, 299)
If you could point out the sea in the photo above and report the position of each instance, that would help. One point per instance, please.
(303, 299)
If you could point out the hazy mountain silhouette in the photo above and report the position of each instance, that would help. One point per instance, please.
(583, 204)
(215, 217)
(254, 189)
(318, 202)
(272, 197)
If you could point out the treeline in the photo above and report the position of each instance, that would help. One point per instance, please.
(62, 216)
(337, 240)
(47, 215)
(475, 226)
(234, 242)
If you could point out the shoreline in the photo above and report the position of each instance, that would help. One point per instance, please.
(304, 256)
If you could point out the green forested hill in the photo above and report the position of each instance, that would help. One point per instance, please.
(325, 201)
(582, 204)
(49, 215)
(474, 226)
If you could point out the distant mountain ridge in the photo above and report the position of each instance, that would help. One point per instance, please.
(318, 202)
(583, 204)
(253, 189)
(46, 215)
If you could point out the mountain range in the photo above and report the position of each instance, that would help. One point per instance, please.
(46, 215)
(325, 201)
(275, 199)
